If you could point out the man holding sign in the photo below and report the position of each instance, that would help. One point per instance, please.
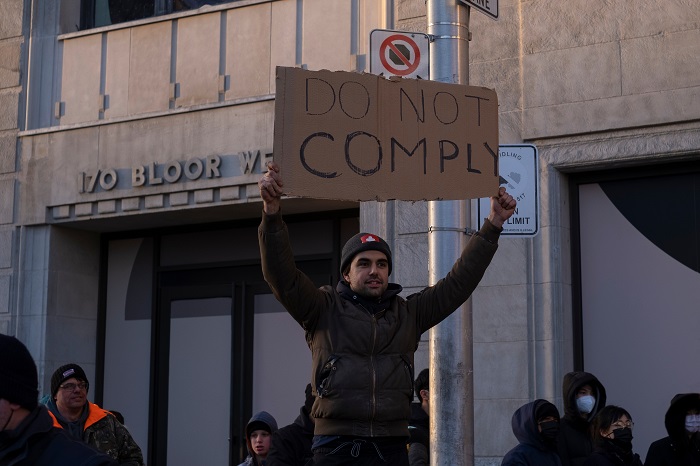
(362, 334)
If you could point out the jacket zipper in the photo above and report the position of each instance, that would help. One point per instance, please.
(374, 377)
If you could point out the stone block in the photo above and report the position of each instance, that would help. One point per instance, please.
(500, 313)
(178, 199)
(131, 204)
(411, 261)
(578, 74)
(644, 18)
(494, 435)
(11, 12)
(248, 38)
(150, 64)
(107, 207)
(511, 263)
(230, 193)
(673, 57)
(9, 63)
(501, 370)
(8, 152)
(60, 212)
(5, 281)
(198, 47)
(499, 75)
(494, 41)
(411, 9)
(411, 217)
(204, 196)
(9, 102)
(6, 237)
(154, 202)
(83, 209)
(7, 201)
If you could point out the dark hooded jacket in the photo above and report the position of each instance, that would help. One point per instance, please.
(575, 440)
(291, 445)
(678, 449)
(532, 449)
(362, 354)
(263, 417)
(37, 442)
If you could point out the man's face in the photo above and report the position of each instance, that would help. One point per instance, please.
(260, 441)
(71, 395)
(369, 274)
(584, 391)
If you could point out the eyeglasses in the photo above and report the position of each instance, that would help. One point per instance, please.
(622, 425)
(69, 387)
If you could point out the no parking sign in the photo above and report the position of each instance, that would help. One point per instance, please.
(399, 53)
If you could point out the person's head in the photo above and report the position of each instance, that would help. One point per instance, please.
(583, 394)
(69, 388)
(683, 417)
(613, 425)
(259, 432)
(537, 423)
(421, 388)
(547, 419)
(19, 383)
(365, 264)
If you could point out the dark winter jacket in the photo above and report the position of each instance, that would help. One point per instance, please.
(419, 442)
(678, 449)
(37, 442)
(291, 445)
(362, 362)
(610, 457)
(532, 449)
(102, 431)
(263, 417)
(575, 443)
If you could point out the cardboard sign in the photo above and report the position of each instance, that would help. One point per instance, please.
(360, 137)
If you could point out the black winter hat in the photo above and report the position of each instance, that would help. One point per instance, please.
(64, 373)
(545, 409)
(363, 242)
(19, 382)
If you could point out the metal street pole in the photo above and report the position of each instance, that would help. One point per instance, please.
(451, 366)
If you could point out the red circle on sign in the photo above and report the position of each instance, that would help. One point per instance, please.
(389, 43)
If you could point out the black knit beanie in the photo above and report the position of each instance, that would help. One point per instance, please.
(64, 373)
(363, 242)
(18, 377)
(545, 409)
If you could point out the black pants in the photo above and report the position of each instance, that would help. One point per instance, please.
(360, 452)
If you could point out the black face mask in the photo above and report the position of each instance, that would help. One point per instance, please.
(549, 430)
(623, 438)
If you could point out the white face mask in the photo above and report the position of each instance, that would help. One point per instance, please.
(585, 403)
(692, 423)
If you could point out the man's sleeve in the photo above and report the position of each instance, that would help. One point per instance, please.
(435, 303)
(129, 452)
(297, 293)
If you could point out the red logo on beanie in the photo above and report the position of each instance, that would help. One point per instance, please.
(369, 238)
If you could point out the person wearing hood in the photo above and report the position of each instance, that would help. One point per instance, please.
(584, 396)
(612, 439)
(536, 426)
(83, 420)
(28, 436)
(258, 433)
(682, 446)
(291, 445)
(362, 333)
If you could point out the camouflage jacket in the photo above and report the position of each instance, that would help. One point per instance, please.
(105, 433)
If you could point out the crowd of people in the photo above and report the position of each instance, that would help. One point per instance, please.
(592, 433)
(358, 406)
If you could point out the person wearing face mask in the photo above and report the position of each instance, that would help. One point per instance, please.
(583, 396)
(536, 426)
(682, 446)
(612, 439)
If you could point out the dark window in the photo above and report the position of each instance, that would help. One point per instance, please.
(97, 13)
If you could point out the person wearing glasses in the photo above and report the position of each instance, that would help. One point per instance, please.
(612, 439)
(536, 426)
(83, 420)
(28, 436)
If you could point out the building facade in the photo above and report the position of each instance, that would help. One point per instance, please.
(131, 142)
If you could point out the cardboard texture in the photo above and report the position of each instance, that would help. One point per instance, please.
(361, 137)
